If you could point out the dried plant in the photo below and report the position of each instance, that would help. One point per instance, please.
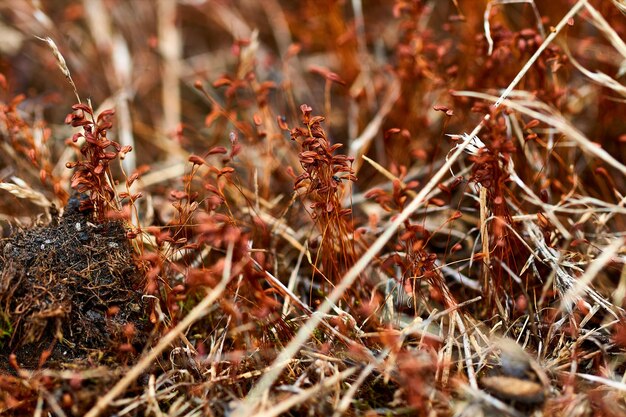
(322, 183)
(476, 267)
(92, 175)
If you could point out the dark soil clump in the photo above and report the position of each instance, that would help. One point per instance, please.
(68, 290)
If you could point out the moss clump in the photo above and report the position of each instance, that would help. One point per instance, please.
(72, 281)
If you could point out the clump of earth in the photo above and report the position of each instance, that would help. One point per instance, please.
(69, 291)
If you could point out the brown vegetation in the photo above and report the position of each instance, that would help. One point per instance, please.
(312, 208)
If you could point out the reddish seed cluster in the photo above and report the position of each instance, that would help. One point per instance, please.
(510, 49)
(323, 171)
(92, 174)
(322, 184)
(395, 200)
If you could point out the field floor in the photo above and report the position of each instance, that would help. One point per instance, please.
(313, 208)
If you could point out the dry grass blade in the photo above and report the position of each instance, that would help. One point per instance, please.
(360, 145)
(388, 175)
(616, 40)
(600, 78)
(344, 404)
(487, 14)
(558, 122)
(573, 11)
(620, 4)
(304, 333)
(621, 386)
(27, 193)
(61, 63)
(170, 49)
(583, 282)
(305, 395)
(236, 265)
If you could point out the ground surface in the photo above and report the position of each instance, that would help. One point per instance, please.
(326, 208)
(69, 291)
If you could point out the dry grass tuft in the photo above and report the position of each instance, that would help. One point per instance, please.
(439, 230)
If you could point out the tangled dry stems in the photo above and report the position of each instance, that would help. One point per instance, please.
(276, 282)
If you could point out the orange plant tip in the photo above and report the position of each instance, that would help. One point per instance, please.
(217, 150)
(126, 347)
(478, 256)
(112, 311)
(13, 361)
(196, 160)
(449, 112)
(282, 122)
(583, 306)
(67, 400)
(437, 202)
(198, 84)
(532, 124)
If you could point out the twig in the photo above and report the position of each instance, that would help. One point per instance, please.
(61, 63)
(360, 145)
(285, 405)
(559, 123)
(347, 398)
(487, 25)
(605, 381)
(570, 14)
(582, 283)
